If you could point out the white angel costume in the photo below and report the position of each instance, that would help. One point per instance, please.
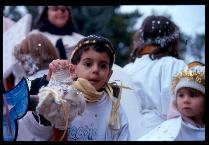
(152, 81)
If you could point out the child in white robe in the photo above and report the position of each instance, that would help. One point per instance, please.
(155, 61)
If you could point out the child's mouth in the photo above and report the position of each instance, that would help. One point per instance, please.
(186, 108)
(93, 81)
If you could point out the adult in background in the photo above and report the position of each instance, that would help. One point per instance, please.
(56, 24)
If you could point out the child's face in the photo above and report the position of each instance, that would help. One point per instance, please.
(95, 67)
(190, 102)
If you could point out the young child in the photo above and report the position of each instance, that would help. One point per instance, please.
(33, 56)
(103, 118)
(155, 61)
(186, 117)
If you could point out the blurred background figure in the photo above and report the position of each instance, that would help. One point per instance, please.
(7, 23)
(130, 101)
(154, 61)
(33, 56)
(195, 63)
(56, 24)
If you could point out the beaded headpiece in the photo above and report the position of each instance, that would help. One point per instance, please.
(155, 30)
(94, 39)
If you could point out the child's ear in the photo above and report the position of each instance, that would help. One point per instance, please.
(73, 71)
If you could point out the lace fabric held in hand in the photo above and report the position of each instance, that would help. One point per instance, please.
(60, 102)
(61, 77)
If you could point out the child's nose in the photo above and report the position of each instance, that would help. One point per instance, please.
(95, 68)
(187, 99)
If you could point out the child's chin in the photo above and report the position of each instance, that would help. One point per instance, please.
(94, 84)
(187, 113)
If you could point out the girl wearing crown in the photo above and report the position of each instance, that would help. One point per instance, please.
(186, 116)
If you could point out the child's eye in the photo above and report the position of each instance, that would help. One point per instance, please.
(192, 95)
(180, 95)
(104, 66)
(87, 64)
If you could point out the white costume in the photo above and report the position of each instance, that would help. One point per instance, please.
(11, 37)
(91, 125)
(30, 130)
(152, 79)
(7, 23)
(129, 100)
(176, 128)
(68, 40)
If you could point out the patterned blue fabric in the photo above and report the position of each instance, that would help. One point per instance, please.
(17, 100)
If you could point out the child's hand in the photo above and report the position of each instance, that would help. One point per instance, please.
(60, 105)
(56, 65)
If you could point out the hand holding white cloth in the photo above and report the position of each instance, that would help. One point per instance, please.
(60, 102)
(60, 107)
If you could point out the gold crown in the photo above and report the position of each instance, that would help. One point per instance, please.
(198, 77)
